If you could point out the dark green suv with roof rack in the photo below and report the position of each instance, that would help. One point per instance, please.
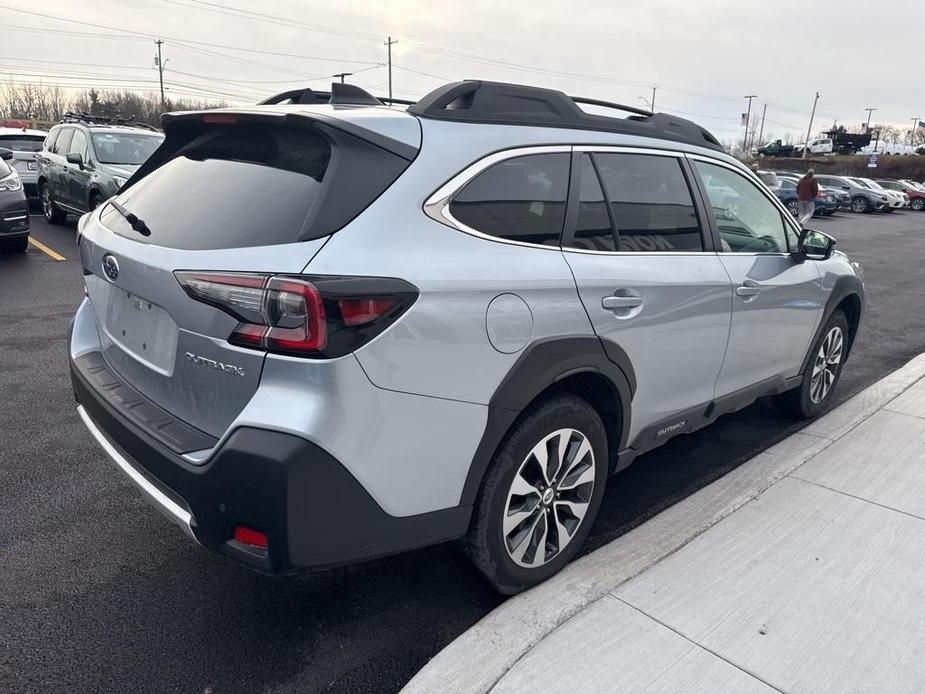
(86, 159)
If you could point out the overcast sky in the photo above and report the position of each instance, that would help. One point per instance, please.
(703, 55)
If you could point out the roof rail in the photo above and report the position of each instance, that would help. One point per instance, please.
(514, 104)
(92, 119)
(340, 94)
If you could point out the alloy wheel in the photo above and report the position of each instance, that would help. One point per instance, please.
(859, 205)
(825, 367)
(548, 498)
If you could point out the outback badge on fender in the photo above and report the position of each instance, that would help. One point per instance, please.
(227, 368)
(110, 267)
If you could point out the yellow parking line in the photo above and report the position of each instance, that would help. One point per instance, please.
(46, 250)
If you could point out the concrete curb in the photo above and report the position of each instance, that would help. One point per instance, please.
(476, 660)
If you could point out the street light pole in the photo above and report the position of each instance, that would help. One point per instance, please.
(810, 128)
(389, 43)
(764, 112)
(748, 117)
(867, 127)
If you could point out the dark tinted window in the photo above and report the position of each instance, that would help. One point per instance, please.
(22, 143)
(63, 141)
(592, 230)
(651, 202)
(520, 199)
(249, 186)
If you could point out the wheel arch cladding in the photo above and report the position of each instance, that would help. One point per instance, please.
(847, 296)
(598, 371)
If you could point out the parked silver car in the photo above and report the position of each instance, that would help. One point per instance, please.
(316, 334)
(863, 198)
(24, 143)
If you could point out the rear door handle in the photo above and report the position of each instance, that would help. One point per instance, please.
(748, 288)
(612, 302)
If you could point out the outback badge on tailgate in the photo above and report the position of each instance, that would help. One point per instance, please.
(227, 368)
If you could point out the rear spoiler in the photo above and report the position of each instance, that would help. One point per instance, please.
(183, 127)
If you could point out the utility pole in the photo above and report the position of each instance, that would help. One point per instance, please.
(653, 98)
(748, 117)
(160, 72)
(342, 75)
(810, 128)
(915, 124)
(389, 43)
(867, 127)
(764, 112)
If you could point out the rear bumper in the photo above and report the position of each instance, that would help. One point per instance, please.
(313, 511)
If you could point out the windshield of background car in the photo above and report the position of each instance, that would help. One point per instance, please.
(859, 182)
(873, 184)
(22, 143)
(125, 148)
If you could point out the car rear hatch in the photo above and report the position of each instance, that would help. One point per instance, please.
(239, 196)
(24, 148)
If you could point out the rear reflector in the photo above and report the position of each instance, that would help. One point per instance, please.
(254, 538)
(362, 311)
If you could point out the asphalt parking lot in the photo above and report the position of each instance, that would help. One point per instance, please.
(99, 593)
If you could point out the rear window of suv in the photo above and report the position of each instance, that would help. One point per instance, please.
(245, 186)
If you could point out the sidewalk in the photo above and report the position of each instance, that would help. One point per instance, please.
(803, 570)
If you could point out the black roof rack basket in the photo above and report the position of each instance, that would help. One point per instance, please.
(513, 104)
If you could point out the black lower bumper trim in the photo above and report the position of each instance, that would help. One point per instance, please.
(312, 509)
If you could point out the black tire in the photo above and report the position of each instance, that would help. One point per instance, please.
(860, 204)
(486, 544)
(15, 245)
(803, 401)
(917, 204)
(53, 213)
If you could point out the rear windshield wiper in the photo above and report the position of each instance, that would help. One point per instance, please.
(133, 219)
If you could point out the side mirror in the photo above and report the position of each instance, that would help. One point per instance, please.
(814, 245)
(6, 154)
(75, 158)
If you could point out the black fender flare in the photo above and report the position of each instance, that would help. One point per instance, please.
(541, 365)
(845, 286)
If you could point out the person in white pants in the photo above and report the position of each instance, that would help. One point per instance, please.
(807, 190)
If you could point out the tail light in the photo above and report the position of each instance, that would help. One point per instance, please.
(303, 316)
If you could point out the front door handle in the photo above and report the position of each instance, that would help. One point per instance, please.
(617, 302)
(748, 288)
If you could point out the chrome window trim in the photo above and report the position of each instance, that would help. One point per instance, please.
(745, 173)
(437, 206)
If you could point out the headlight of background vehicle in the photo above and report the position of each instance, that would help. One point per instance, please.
(11, 182)
(119, 180)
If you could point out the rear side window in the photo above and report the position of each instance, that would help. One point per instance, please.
(244, 186)
(63, 141)
(519, 199)
(650, 203)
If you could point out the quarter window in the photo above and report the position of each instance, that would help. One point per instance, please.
(519, 199)
(650, 203)
(747, 220)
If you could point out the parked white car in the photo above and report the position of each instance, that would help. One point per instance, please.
(24, 143)
(823, 145)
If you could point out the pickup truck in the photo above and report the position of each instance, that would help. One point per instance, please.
(775, 149)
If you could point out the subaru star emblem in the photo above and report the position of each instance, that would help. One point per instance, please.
(110, 267)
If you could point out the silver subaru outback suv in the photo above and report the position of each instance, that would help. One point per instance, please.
(317, 333)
